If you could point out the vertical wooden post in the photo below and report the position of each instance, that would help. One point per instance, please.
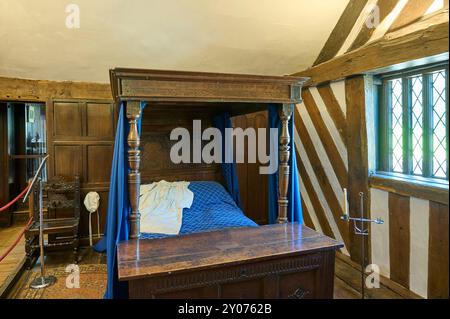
(134, 160)
(285, 113)
(358, 97)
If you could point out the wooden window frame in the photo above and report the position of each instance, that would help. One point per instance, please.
(384, 122)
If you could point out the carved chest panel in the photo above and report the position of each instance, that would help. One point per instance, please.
(275, 261)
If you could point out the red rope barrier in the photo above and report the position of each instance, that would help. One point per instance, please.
(10, 248)
(15, 199)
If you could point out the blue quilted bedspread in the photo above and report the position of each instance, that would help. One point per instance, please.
(212, 209)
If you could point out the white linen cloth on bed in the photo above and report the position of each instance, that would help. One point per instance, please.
(161, 206)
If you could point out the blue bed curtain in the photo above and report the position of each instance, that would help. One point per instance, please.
(223, 121)
(295, 207)
(116, 227)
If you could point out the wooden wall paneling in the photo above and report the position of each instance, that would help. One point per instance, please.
(412, 11)
(155, 145)
(252, 185)
(327, 140)
(357, 97)
(399, 234)
(84, 118)
(334, 110)
(85, 164)
(68, 160)
(81, 141)
(100, 120)
(341, 30)
(67, 119)
(438, 259)
(319, 171)
(99, 160)
(242, 168)
(257, 184)
(385, 7)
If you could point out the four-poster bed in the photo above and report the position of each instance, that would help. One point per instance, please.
(175, 266)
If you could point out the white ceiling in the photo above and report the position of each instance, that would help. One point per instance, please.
(238, 36)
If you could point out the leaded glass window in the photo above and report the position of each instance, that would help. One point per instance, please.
(417, 125)
(439, 126)
(413, 123)
(397, 125)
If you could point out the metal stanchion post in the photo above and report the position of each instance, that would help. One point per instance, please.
(42, 281)
(361, 231)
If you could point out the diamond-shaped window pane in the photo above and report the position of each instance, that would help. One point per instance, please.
(417, 125)
(397, 126)
(439, 125)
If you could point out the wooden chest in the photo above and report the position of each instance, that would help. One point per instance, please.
(274, 261)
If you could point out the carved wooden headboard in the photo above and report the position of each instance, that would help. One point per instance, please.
(157, 123)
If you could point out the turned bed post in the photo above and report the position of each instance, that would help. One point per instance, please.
(134, 160)
(285, 113)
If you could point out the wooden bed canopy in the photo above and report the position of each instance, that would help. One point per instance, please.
(204, 92)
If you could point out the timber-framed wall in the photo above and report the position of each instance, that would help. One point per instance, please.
(334, 129)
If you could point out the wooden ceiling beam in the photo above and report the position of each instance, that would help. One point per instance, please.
(425, 38)
(385, 7)
(43, 90)
(413, 11)
(341, 30)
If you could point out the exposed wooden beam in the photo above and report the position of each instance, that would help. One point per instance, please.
(438, 252)
(399, 238)
(341, 30)
(405, 187)
(412, 11)
(385, 7)
(322, 178)
(358, 167)
(41, 90)
(325, 137)
(334, 110)
(425, 38)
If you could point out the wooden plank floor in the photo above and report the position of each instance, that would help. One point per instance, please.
(14, 262)
(348, 283)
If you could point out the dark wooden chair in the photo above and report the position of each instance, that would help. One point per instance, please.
(61, 206)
